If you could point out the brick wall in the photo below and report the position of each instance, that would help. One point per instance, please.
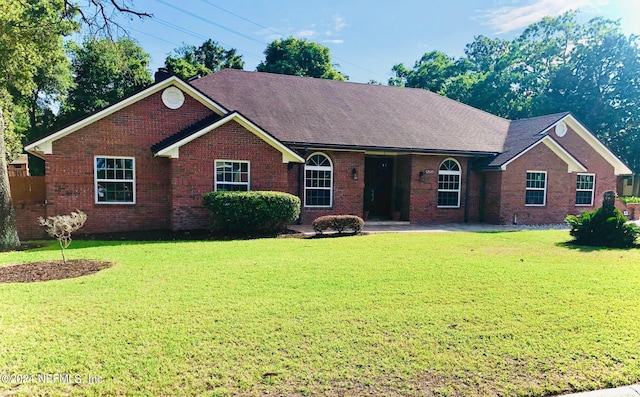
(27, 215)
(193, 173)
(129, 132)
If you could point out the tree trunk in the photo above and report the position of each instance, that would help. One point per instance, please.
(8, 232)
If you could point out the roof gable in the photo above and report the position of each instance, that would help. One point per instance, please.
(45, 145)
(170, 147)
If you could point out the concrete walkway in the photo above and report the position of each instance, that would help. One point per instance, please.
(626, 391)
(403, 227)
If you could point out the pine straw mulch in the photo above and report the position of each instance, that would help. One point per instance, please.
(49, 270)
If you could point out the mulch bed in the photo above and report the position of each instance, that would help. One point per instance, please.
(49, 270)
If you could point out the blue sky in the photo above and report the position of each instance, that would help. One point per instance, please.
(366, 37)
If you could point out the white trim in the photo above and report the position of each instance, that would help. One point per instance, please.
(288, 155)
(215, 174)
(447, 172)
(592, 190)
(43, 146)
(573, 165)
(619, 167)
(318, 168)
(95, 181)
(546, 183)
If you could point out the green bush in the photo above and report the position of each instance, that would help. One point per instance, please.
(602, 227)
(252, 212)
(339, 223)
(630, 199)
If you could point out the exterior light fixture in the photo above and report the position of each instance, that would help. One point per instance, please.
(354, 174)
(421, 176)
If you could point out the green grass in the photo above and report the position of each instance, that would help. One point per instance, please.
(446, 314)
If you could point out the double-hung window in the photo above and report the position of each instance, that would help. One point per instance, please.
(318, 181)
(585, 187)
(114, 179)
(449, 184)
(536, 191)
(232, 175)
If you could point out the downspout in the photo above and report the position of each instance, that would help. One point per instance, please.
(467, 190)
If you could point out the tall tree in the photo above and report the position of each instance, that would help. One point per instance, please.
(106, 71)
(299, 57)
(188, 60)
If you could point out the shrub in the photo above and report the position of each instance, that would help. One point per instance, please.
(61, 227)
(257, 211)
(603, 227)
(630, 199)
(339, 223)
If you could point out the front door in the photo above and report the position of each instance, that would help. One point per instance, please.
(378, 179)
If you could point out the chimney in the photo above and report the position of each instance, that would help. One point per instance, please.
(162, 74)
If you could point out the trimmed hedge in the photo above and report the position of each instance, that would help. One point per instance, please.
(249, 212)
(339, 223)
(603, 227)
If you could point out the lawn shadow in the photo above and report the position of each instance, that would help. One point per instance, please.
(590, 248)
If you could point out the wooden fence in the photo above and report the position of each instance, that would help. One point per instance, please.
(28, 189)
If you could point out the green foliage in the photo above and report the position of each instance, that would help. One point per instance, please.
(188, 60)
(251, 212)
(299, 57)
(603, 227)
(106, 71)
(339, 223)
(630, 199)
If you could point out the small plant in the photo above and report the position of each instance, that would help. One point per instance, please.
(339, 223)
(630, 199)
(605, 227)
(61, 227)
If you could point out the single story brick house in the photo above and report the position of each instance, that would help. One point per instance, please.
(343, 148)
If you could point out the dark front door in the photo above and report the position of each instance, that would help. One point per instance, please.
(378, 179)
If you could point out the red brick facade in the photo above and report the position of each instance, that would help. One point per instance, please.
(168, 191)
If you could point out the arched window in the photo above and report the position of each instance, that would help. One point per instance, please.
(449, 184)
(318, 181)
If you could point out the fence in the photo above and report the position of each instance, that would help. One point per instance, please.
(27, 190)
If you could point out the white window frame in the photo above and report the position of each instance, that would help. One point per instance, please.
(318, 168)
(544, 190)
(592, 190)
(215, 174)
(449, 172)
(97, 181)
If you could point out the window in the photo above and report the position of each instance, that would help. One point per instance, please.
(232, 175)
(585, 188)
(449, 184)
(115, 180)
(536, 193)
(318, 177)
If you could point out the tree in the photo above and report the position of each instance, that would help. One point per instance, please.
(188, 60)
(299, 57)
(61, 227)
(106, 71)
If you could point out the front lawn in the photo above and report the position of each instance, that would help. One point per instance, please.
(445, 314)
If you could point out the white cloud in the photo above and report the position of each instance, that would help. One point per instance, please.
(336, 41)
(339, 23)
(506, 19)
(305, 34)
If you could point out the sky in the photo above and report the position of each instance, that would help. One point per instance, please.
(366, 37)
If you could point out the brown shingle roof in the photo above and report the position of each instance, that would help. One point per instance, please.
(301, 110)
